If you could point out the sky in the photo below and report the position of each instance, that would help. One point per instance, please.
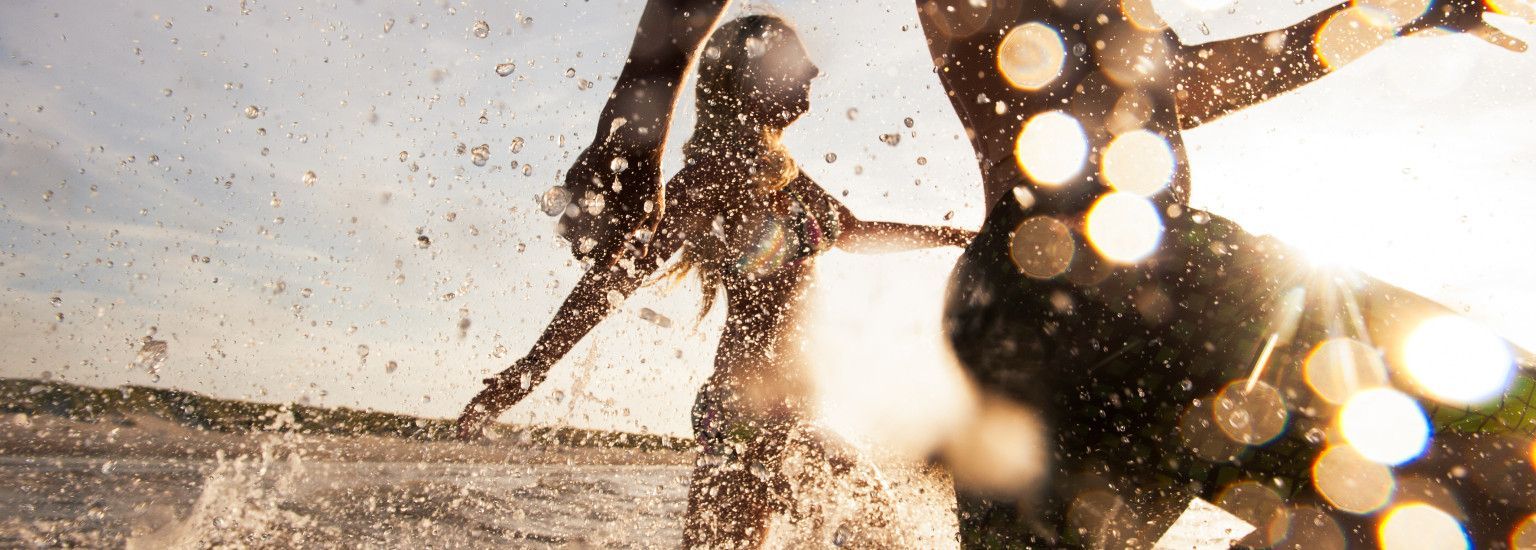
(153, 180)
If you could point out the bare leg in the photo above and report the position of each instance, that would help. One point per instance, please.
(728, 507)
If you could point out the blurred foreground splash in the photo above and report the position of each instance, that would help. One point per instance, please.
(73, 478)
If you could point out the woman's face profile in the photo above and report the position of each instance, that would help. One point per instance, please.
(781, 78)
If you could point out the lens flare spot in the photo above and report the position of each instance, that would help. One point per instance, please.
(1051, 148)
(1399, 12)
(1524, 9)
(1350, 481)
(1251, 416)
(1141, 14)
(1201, 436)
(1351, 33)
(1312, 528)
(1385, 426)
(1261, 507)
(1138, 162)
(1524, 535)
(1042, 247)
(1207, 5)
(1130, 113)
(1031, 55)
(1417, 525)
(1131, 57)
(1123, 227)
(1339, 367)
(1456, 361)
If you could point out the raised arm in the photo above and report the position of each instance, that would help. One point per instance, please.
(623, 163)
(1220, 77)
(870, 237)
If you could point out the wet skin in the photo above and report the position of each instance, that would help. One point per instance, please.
(713, 210)
(1114, 377)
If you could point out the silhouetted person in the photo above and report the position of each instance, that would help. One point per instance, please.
(743, 214)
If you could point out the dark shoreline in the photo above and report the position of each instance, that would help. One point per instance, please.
(46, 418)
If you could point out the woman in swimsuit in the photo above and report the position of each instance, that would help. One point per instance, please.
(749, 220)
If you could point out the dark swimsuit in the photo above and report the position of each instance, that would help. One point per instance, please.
(720, 425)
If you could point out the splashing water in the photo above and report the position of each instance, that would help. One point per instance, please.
(152, 355)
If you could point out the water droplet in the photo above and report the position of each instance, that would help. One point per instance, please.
(404, 155)
(310, 178)
(482, 29)
(480, 154)
(651, 316)
(618, 164)
(755, 46)
(908, 122)
(842, 535)
(517, 145)
(1238, 419)
(505, 69)
(594, 203)
(423, 241)
(390, 367)
(853, 114)
(1315, 436)
(306, 292)
(166, 92)
(922, 161)
(891, 139)
(570, 72)
(152, 354)
(831, 158)
(554, 200)
(252, 111)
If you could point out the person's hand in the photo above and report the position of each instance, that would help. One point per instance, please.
(503, 390)
(614, 186)
(1464, 16)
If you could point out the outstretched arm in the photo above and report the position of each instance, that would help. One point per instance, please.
(870, 237)
(867, 237)
(623, 163)
(1221, 77)
(598, 292)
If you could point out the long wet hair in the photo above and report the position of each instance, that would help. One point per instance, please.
(740, 144)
